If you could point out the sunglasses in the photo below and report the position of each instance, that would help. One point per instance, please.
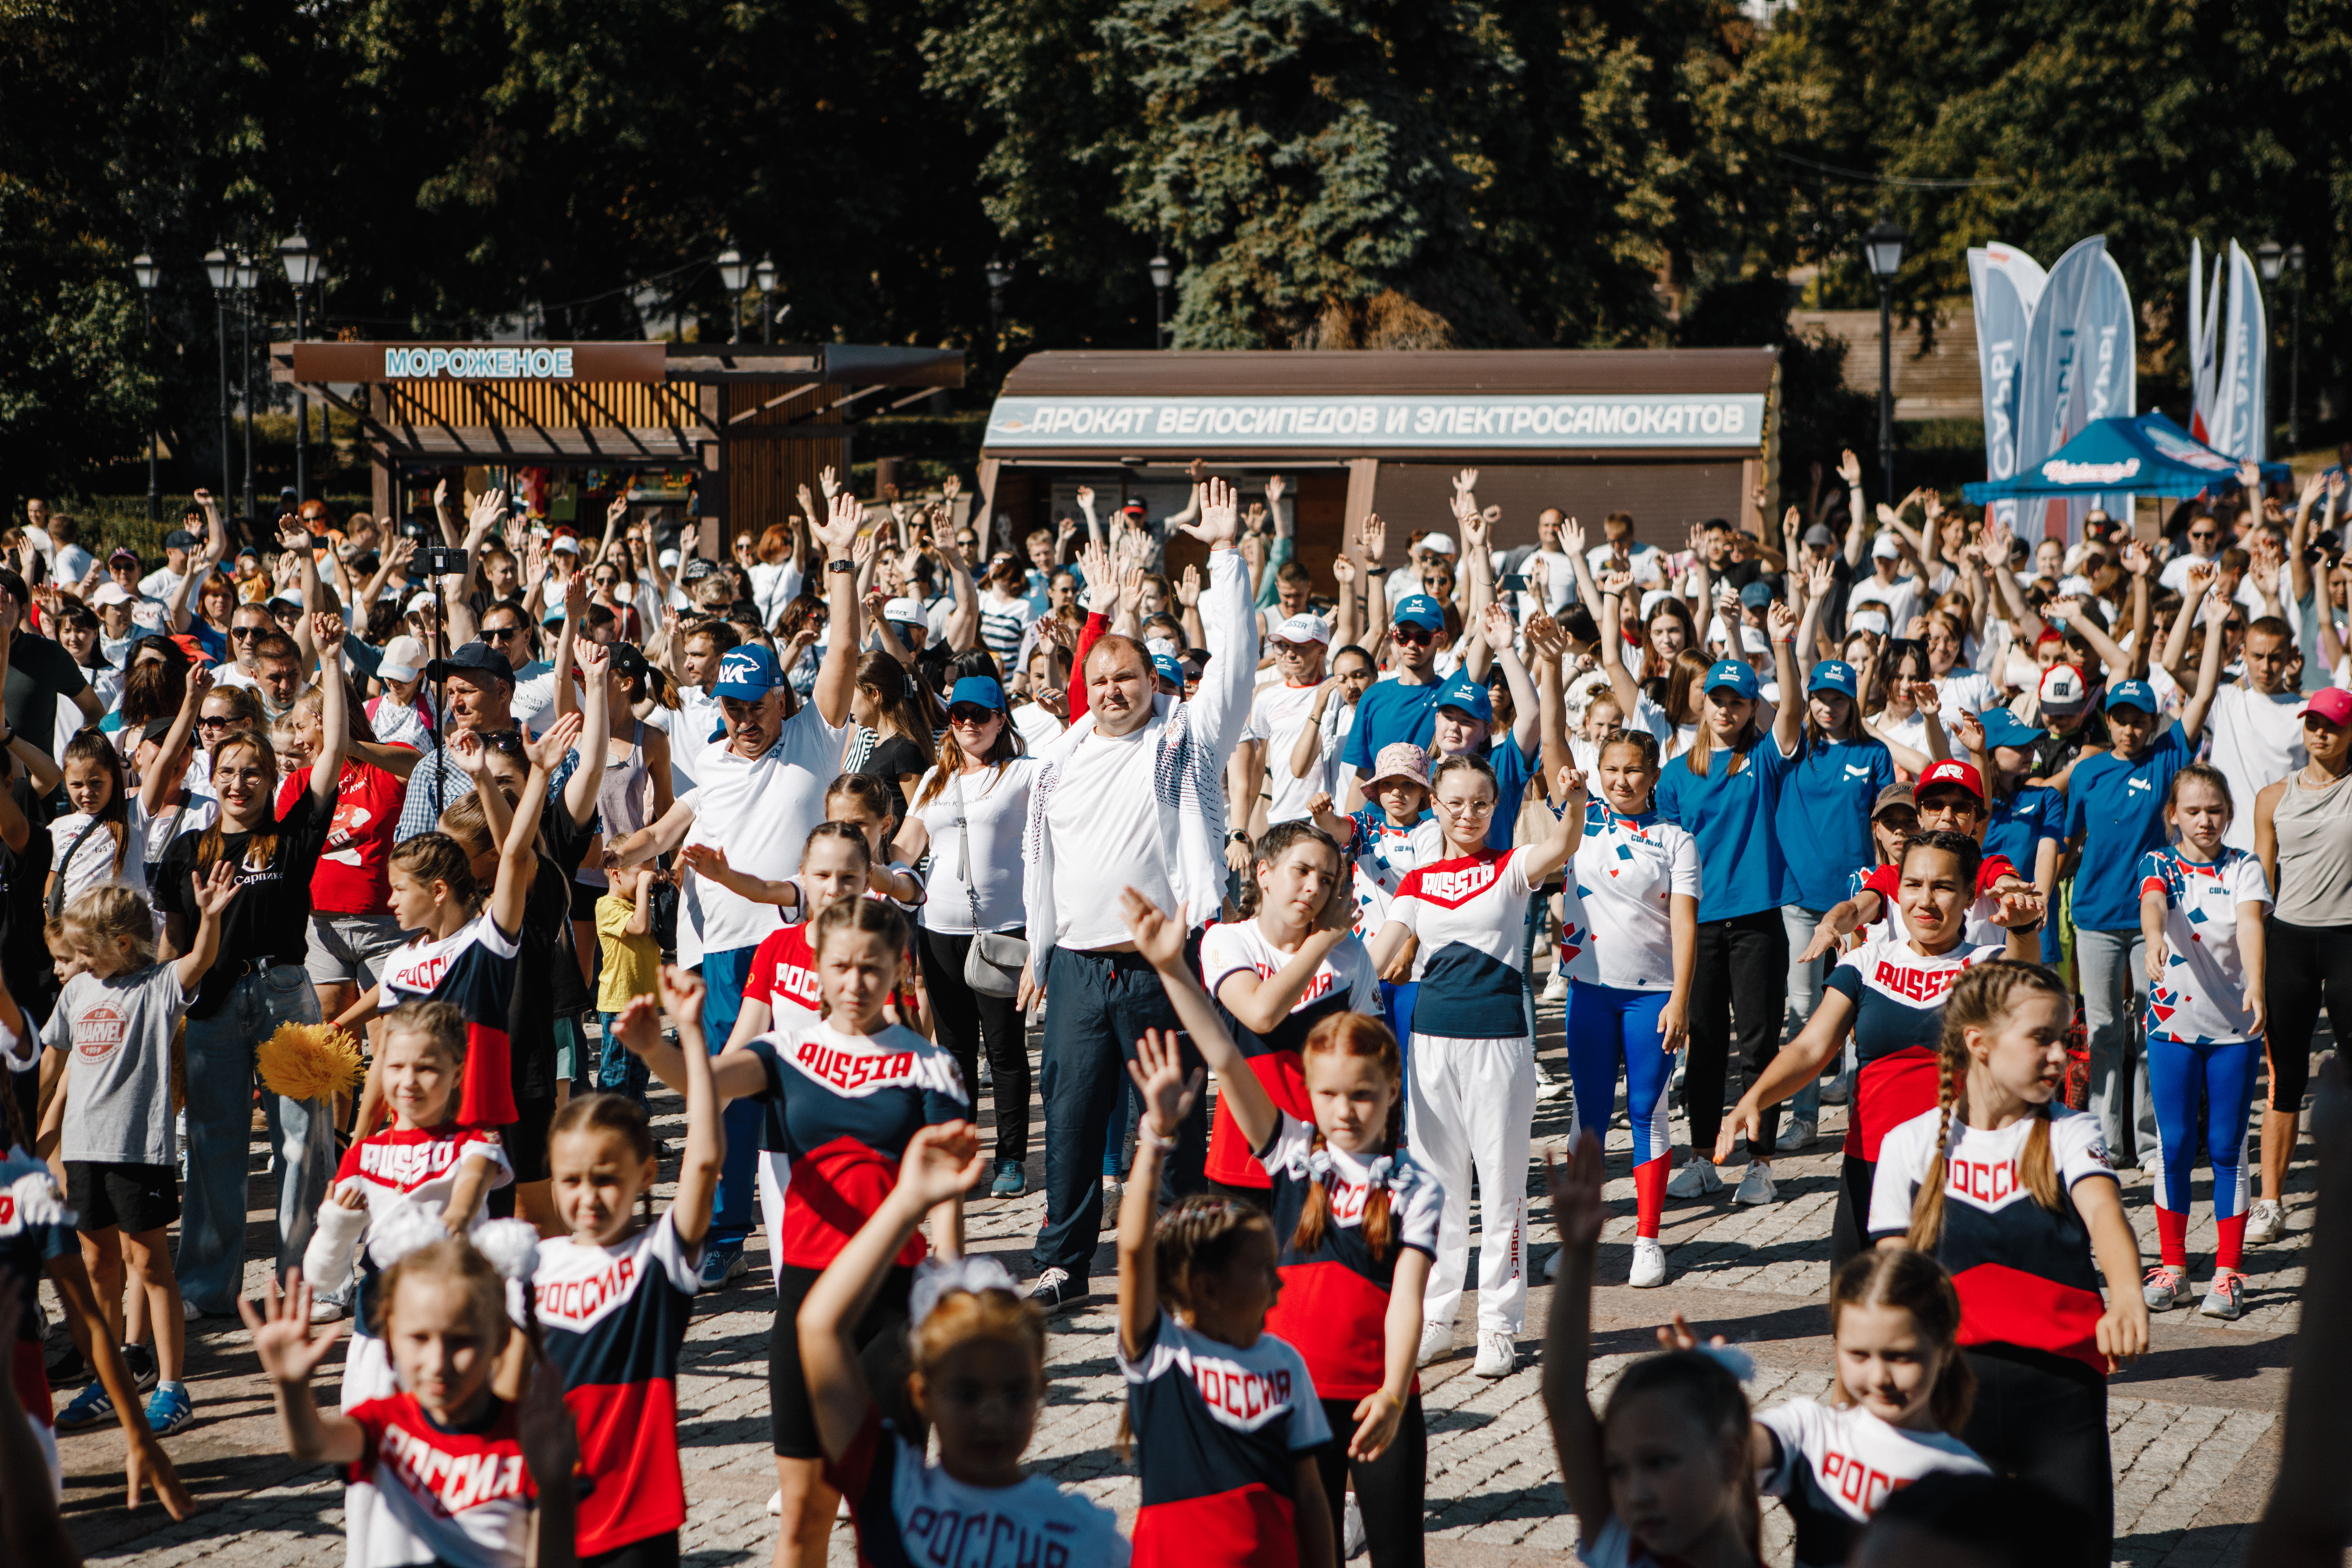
(212, 721)
(500, 634)
(971, 715)
(2233, 625)
(1419, 636)
(2202, 533)
(246, 631)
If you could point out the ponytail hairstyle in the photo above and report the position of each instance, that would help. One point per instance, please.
(436, 857)
(874, 917)
(437, 1021)
(1464, 762)
(610, 1113)
(1979, 999)
(1355, 1034)
(896, 700)
(1915, 1282)
(1271, 847)
(1643, 742)
(451, 1257)
(98, 915)
(843, 832)
(2205, 773)
(868, 790)
(98, 751)
(1710, 1393)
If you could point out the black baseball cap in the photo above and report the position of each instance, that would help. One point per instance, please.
(179, 539)
(155, 730)
(474, 658)
(628, 662)
(699, 568)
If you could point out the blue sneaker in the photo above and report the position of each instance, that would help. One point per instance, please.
(90, 1408)
(169, 1408)
(1010, 1182)
(721, 1261)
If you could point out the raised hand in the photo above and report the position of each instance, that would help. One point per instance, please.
(1466, 481)
(549, 751)
(830, 480)
(1343, 571)
(473, 756)
(2249, 475)
(941, 1163)
(1102, 583)
(1158, 937)
(328, 631)
(1220, 521)
(281, 1330)
(1576, 1211)
(1372, 538)
(214, 892)
(483, 511)
(1926, 698)
(1130, 590)
(2139, 563)
(1546, 638)
(1820, 580)
(1188, 592)
(1614, 585)
(1474, 529)
(1570, 789)
(1086, 498)
(593, 657)
(1849, 467)
(1781, 622)
(1969, 729)
(838, 533)
(1502, 633)
(1697, 542)
(1274, 490)
(1572, 537)
(1158, 1070)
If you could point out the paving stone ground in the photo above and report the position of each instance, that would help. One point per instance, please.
(2195, 1426)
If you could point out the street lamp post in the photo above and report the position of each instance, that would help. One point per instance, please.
(1162, 274)
(734, 275)
(764, 275)
(220, 266)
(2268, 257)
(302, 271)
(248, 275)
(2294, 352)
(1882, 250)
(999, 275)
(146, 274)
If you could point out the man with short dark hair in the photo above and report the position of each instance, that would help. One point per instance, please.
(40, 670)
(165, 580)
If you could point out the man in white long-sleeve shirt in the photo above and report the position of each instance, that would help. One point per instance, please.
(1132, 795)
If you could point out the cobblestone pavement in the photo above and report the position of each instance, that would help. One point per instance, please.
(2195, 1426)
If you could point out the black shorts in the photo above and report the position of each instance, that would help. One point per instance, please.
(653, 1552)
(107, 1196)
(882, 1346)
(526, 1137)
(584, 901)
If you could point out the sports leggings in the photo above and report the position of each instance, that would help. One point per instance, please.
(1388, 1489)
(2303, 965)
(2044, 1417)
(1607, 1026)
(2221, 1075)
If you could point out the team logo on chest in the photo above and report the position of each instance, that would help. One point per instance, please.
(451, 1482)
(1239, 1397)
(1459, 887)
(854, 1072)
(577, 1302)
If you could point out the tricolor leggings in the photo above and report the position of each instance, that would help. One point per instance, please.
(1607, 1026)
(2220, 1075)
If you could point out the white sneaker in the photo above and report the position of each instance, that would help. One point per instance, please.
(776, 1503)
(1555, 989)
(1695, 1179)
(1114, 1194)
(1436, 1341)
(326, 1309)
(1497, 1356)
(1551, 1264)
(1351, 1530)
(1756, 1187)
(1649, 1263)
(1796, 1133)
(1546, 1085)
(1837, 1090)
(2264, 1221)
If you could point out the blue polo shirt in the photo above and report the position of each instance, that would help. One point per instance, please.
(1824, 816)
(2020, 822)
(1740, 867)
(2118, 809)
(1390, 711)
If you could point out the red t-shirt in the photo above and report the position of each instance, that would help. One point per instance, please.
(353, 876)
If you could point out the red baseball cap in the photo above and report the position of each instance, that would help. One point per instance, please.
(2334, 705)
(1950, 772)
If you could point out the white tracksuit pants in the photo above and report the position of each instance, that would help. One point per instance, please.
(1471, 1106)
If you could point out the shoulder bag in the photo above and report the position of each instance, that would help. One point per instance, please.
(993, 964)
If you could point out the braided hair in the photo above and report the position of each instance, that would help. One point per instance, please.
(1354, 1034)
(1978, 1000)
(1200, 1236)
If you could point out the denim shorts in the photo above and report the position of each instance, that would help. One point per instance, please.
(350, 950)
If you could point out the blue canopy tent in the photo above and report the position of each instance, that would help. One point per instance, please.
(2148, 456)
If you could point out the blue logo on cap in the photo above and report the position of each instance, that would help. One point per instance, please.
(1730, 673)
(1169, 668)
(1832, 675)
(1469, 696)
(2131, 694)
(747, 673)
(1421, 610)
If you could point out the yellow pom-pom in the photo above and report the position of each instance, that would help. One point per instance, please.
(309, 1062)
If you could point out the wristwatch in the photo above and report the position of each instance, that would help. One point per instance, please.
(1237, 837)
(841, 565)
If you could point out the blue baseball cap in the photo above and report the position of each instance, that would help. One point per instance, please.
(2132, 694)
(1171, 669)
(2003, 728)
(1832, 675)
(1421, 610)
(980, 692)
(749, 673)
(1732, 673)
(1468, 696)
(1757, 595)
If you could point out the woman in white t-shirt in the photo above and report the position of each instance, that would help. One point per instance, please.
(968, 813)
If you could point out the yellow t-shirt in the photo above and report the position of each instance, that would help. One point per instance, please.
(632, 960)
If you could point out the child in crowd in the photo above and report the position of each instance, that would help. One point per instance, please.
(1224, 1412)
(444, 1470)
(976, 1355)
(1278, 974)
(613, 1297)
(836, 863)
(632, 968)
(429, 1161)
(104, 838)
(2201, 905)
(1378, 839)
(1902, 1389)
(2017, 1196)
(1356, 1216)
(113, 1029)
(842, 1095)
(1667, 1473)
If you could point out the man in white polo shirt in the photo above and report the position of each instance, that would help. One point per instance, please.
(1280, 710)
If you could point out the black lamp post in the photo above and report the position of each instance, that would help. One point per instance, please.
(248, 276)
(999, 275)
(764, 275)
(1882, 250)
(302, 271)
(2294, 352)
(734, 275)
(220, 266)
(146, 274)
(1162, 274)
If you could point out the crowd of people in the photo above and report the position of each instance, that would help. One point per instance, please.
(2036, 856)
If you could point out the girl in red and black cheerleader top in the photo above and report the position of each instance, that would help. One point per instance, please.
(1356, 1218)
(977, 1377)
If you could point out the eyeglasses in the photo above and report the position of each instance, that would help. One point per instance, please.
(1470, 808)
(1419, 636)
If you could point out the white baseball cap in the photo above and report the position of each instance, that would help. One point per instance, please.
(109, 593)
(403, 656)
(1441, 544)
(2062, 690)
(1871, 616)
(906, 611)
(669, 560)
(420, 600)
(1301, 628)
(1885, 549)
